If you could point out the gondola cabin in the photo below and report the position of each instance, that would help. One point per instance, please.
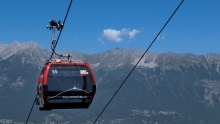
(66, 85)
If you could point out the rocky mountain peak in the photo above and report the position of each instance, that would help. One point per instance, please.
(176, 88)
(7, 50)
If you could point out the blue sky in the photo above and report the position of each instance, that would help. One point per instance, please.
(94, 26)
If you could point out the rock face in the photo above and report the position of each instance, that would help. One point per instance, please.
(165, 88)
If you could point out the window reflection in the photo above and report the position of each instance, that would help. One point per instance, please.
(62, 77)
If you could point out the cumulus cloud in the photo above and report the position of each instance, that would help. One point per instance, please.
(116, 35)
(112, 35)
(133, 33)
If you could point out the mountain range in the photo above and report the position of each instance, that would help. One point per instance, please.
(165, 88)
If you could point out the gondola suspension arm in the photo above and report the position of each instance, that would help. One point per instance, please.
(53, 26)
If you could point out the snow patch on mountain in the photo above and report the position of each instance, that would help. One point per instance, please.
(19, 83)
(150, 64)
(95, 65)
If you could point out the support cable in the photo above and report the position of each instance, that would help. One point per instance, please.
(63, 25)
(138, 61)
(51, 55)
(31, 109)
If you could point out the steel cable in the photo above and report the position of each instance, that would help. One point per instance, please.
(51, 54)
(138, 61)
(62, 28)
(31, 109)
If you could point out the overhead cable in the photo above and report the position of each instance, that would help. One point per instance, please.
(51, 55)
(138, 62)
(62, 28)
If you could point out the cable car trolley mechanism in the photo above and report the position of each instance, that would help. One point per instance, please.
(64, 83)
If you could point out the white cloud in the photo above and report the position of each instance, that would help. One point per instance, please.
(133, 33)
(116, 35)
(125, 31)
(112, 35)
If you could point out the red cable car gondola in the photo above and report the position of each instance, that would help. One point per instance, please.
(66, 85)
